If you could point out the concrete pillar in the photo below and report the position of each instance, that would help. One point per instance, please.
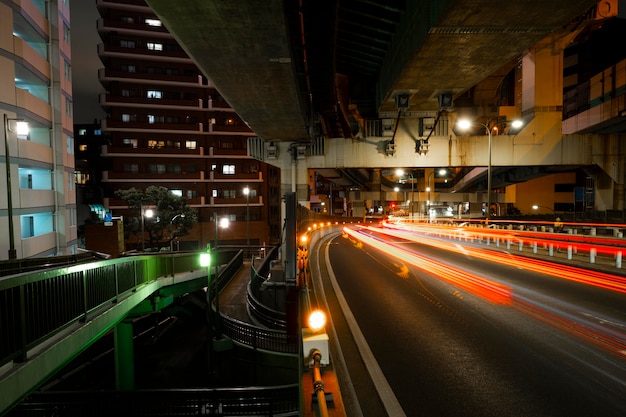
(124, 356)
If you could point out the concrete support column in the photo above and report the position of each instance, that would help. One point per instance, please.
(124, 356)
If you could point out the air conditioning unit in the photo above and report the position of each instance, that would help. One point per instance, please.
(387, 127)
(272, 151)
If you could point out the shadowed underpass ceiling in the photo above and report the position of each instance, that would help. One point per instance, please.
(297, 69)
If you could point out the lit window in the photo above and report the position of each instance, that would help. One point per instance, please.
(228, 169)
(153, 22)
(129, 117)
(156, 144)
(130, 142)
(191, 144)
(82, 132)
(154, 94)
(155, 46)
(230, 194)
(213, 167)
(82, 147)
(177, 193)
(214, 193)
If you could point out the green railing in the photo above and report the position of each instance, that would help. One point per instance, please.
(35, 306)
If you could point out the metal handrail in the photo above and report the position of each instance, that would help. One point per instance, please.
(280, 400)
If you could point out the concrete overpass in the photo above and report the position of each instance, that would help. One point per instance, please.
(354, 89)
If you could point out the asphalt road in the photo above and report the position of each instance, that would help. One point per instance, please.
(547, 347)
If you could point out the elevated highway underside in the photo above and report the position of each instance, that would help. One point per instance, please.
(300, 73)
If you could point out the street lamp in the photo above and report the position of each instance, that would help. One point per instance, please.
(171, 233)
(246, 191)
(21, 128)
(144, 213)
(537, 207)
(465, 124)
(400, 172)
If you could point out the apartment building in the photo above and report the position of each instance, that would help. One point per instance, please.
(168, 126)
(37, 201)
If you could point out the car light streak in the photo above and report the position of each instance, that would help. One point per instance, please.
(587, 327)
(491, 291)
(571, 273)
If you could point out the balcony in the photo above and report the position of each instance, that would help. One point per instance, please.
(143, 53)
(108, 75)
(138, 29)
(107, 99)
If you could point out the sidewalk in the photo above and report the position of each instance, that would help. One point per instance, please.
(233, 302)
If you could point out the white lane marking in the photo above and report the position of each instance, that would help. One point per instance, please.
(386, 394)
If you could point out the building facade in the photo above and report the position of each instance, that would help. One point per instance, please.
(38, 203)
(168, 126)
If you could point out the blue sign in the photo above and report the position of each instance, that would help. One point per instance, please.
(107, 217)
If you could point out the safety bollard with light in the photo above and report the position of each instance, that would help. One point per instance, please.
(315, 339)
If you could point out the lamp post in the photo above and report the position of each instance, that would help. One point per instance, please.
(246, 191)
(428, 190)
(144, 213)
(171, 233)
(21, 129)
(223, 223)
(400, 172)
(464, 124)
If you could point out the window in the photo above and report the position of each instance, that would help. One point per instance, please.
(82, 132)
(230, 194)
(129, 68)
(154, 94)
(132, 143)
(174, 144)
(253, 169)
(69, 144)
(82, 147)
(124, 43)
(192, 194)
(67, 70)
(191, 144)
(213, 167)
(68, 107)
(127, 19)
(153, 22)
(158, 144)
(126, 118)
(228, 169)
(66, 33)
(214, 193)
(155, 119)
(177, 193)
(190, 169)
(174, 169)
(154, 46)
(226, 145)
(133, 168)
(156, 168)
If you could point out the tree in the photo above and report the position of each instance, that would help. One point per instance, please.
(172, 217)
